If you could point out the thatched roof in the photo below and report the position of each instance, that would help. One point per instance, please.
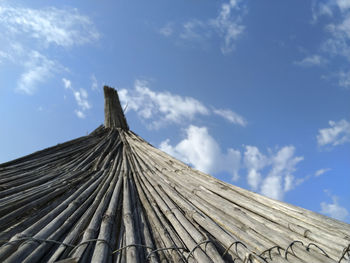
(112, 197)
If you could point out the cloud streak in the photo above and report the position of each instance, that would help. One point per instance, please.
(161, 108)
(28, 35)
(81, 98)
(337, 44)
(338, 133)
(61, 27)
(344, 79)
(314, 60)
(321, 171)
(231, 116)
(38, 69)
(94, 83)
(227, 25)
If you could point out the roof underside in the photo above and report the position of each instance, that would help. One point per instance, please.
(112, 197)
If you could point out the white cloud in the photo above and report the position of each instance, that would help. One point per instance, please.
(314, 60)
(334, 210)
(299, 181)
(288, 182)
(195, 30)
(272, 187)
(280, 178)
(231, 116)
(62, 27)
(38, 69)
(4, 56)
(80, 114)
(281, 165)
(344, 79)
(254, 161)
(80, 96)
(343, 5)
(167, 30)
(321, 171)
(161, 108)
(201, 150)
(284, 161)
(94, 83)
(28, 33)
(227, 25)
(328, 8)
(67, 83)
(321, 9)
(338, 43)
(338, 133)
(271, 175)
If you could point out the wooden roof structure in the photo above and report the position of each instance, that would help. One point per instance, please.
(112, 197)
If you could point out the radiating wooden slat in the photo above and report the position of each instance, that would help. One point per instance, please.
(112, 197)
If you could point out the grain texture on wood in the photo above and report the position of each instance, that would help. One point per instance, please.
(114, 115)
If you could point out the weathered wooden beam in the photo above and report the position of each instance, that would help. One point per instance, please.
(114, 115)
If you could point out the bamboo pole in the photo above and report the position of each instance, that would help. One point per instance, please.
(112, 191)
(114, 116)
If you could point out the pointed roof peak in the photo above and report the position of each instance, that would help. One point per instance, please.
(114, 115)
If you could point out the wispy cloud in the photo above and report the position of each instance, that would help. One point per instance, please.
(94, 83)
(338, 133)
(202, 151)
(162, 108)
(329, 8)
(80, 96)
(28, 34)
(195, 30)
(318, 173)
(231, 116)
(67, 83)
(314, 60)
(38, 69)
(167, 30)
(337, 43)
(62, 27)
(227, 25)
(4, 56)
(334, 209)
(281, 165)
(322, 171)
(343, 5)
(344, 79)
(320, 9)
(80, 114)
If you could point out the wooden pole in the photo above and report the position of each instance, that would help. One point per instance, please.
(114, 115)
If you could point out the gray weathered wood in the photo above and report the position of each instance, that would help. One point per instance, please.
(111, 191)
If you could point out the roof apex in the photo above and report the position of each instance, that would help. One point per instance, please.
(114, 115)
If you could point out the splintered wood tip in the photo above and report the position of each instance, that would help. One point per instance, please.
(114, 115)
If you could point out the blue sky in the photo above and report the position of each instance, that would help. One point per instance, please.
(255, 93)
